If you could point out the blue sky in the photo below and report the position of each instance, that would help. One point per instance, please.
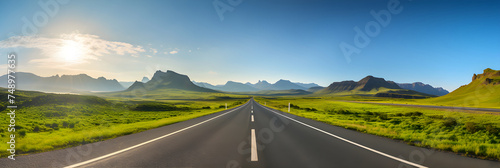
(441, 43)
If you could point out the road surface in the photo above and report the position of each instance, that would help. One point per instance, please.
(248, 136)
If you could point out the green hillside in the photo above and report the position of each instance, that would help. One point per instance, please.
(483, 91)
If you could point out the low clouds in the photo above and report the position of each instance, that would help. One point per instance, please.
(89, 47)
(174, 52)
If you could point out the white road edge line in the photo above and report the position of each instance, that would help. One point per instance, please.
(254, 147)
(252, 118)
(351, 142)
(144, 143)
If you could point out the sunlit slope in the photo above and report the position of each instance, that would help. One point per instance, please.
(483, 91)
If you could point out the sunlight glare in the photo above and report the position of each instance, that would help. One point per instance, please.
(72, 52)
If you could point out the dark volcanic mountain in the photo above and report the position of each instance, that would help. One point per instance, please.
(64, 83)
(424, 88)
(173, 80)
(366, 84)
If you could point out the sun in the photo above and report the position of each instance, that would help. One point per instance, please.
(71, 52)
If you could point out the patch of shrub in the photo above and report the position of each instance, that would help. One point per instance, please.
(36, 129)
(158, 107)
(382, 116)
(395, 121)
(71, 125)
(65, 124)
(416, 113)
(471, 127)
(64, 99)
(449, 122)
(436, 116)
(22, 133)
(310, 109)
(491, 129)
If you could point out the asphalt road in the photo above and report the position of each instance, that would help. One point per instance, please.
(248, 136)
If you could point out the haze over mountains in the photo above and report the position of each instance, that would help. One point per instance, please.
(64, 83)
(128, 84)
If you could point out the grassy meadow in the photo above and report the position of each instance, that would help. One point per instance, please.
(47, 121)
(468, 133)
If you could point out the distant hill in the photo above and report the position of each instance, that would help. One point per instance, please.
(366, 84)
(231, 86)
(262, 84)
(371, 86)
(145, 79)
(315, 89)
(291, 92)
(307, 85)
(169, 80)
(206, 85)
(284, 85)
(482, 91)
(64, 83)
(424, 88)
(126, 84)
(136, 85)
(369, 83)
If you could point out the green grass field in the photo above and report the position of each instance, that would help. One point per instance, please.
(468, 133)
(47, 122)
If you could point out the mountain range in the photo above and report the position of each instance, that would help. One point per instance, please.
(424, 88)
(64, 83)
(282, 84)
(371, 86)
(173, 80)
